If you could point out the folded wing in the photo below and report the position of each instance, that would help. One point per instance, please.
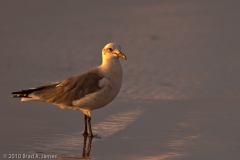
(65, 92)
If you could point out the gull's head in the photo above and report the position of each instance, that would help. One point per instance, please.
(112, 50)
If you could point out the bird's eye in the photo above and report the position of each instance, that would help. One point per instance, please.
(110, 49)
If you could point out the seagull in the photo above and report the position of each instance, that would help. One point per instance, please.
(88, 91)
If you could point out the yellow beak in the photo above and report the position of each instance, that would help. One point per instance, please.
(120, 54)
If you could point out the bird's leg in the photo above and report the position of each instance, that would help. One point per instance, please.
(85, 125)
(89, 127)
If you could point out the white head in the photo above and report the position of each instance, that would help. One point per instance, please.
(112, 51)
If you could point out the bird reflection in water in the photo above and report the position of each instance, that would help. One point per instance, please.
(86, 148)
(70, 144)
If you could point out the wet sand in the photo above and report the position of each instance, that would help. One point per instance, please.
(192, 129)
(180, 96)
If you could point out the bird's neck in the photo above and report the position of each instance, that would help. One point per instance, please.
(112, 66)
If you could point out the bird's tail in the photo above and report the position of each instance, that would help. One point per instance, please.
(28, 95)
(24, 93)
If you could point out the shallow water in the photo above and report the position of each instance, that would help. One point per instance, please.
(181, 87)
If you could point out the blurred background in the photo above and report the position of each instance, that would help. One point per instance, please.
(181, 84)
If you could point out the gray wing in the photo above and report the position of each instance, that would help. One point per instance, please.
(71, 89)
(25, 93)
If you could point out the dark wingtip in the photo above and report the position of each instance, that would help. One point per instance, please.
(18, 92)
(15, 96)
(20, 96)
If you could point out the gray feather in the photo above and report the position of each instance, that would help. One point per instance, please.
(25, 93)
(71, 89)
